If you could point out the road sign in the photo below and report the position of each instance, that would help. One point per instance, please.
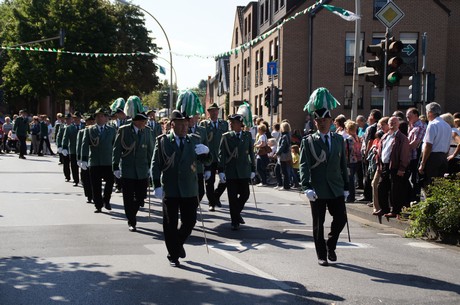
(408, 49)
(272, 68)
(389, 14)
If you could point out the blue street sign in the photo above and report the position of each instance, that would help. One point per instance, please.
(272, 68)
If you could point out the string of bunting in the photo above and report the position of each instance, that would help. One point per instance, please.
(236, 50)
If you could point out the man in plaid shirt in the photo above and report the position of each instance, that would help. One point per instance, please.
(416, 133)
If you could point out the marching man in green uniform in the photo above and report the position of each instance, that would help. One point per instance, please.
(236, 167)
(154, 126)
(69, 145)
(134, 148)
(65, 160)
(174, 174)
(215, 127)
(96, 155)
(84, 173)
(324, 177)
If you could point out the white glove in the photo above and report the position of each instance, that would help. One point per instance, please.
(311, 195)
(117, 173)
(201, 149)
(222, 178)
(346, 194)
(158, 192)
(60, 150)
(65, 152)
(79, 163)
(207, 175)
(253, 175)
(84, 165)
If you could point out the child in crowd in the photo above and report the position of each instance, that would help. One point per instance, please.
(295, 152)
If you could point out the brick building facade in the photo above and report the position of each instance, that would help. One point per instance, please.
(327, 41)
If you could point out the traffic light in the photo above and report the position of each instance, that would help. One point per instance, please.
(61, 37)
(164, 98)
(377, 63)
(430, 87)
(267, 96)
(280, 96)
(415, 87)
(394, 62)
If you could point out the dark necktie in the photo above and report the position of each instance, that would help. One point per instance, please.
(326, 140)
(238, 135)
(181, 143)
(139, 136)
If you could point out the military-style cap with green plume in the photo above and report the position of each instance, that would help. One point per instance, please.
(188, 103)
(118, 103)
(133, 106)
(320, 103)
(245, 111)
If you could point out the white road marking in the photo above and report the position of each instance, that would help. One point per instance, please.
(425, 245)
(253, 269)
(341, 245)
(298, 230)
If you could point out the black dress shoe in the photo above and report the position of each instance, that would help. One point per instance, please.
(323, 262)
(182, 253)
(67, 180)
(88, 200)
(75, 184)
(132, 229)
(241, 220)
(211, 208)
(97, 211)
(173, 262)
(331, 255)
(235, 227)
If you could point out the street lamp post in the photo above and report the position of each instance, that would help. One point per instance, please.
(171, 107)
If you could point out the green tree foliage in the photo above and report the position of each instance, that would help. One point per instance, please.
(90, 26)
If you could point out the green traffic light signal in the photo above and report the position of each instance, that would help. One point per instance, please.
(394, 62)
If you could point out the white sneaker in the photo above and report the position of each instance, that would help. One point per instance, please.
(260, 184)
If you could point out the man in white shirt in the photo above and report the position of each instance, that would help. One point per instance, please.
(435, 145)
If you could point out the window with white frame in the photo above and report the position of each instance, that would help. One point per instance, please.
(410, 53)
(376, 98)
(350, 52)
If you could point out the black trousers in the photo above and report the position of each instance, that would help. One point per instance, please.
(74, 168)
(392, 189)
(22, 145)
(97, 174)
(367, 183)
(360, 174)
(414, 193)
(200, 186)
(214, 194)
(47, 142)
(175, 237)
(86, 181)
(436, 166)
(336, 207)
(134, 193)
(238, 194)
(66, 165)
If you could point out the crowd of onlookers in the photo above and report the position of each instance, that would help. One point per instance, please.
(391, 159)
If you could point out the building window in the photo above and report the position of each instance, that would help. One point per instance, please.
(376, 98)
(236, 37)
(261, 66)
(234, 80)
(377, 38)
(378, 4)
(404, 101)
(257, 69)
(261, 105)
(249, 27)
(276, 6)
(281, 3)
(348, 97)
(410, 53)
(350, 52)
(277, 45)
(262, 10)
(271, 51)
(238, 79)
(266, 11)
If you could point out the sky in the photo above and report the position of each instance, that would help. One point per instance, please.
(202, 27)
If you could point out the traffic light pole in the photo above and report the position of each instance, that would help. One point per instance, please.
(272, 99)
(424, 74)
(355, 88)
(386, 95)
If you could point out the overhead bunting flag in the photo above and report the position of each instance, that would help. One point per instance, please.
(342, 13)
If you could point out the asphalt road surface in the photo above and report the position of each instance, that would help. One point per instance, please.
(55, 250)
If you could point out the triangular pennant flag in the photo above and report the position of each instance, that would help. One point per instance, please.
(344, 14)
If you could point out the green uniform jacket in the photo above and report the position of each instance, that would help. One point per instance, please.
(174, 170)
(69, 139)
(214, 135)
(80, 135)
(156, 130)
(329, 178)
(96, 148)
(236, 156)
(135, 152)
(60, 135)
(201, 132)
(43, 129)
(21, 126)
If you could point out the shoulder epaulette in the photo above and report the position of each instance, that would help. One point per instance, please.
(226, 133)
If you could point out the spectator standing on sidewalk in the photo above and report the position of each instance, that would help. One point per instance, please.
(435, 145)
(453, 158)
(35, 135)
(394, 158)
(7, 127)
(44, 137)
(353, 151)
(21, 129)
(416, 133)
(262, 159)
(284, 158)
